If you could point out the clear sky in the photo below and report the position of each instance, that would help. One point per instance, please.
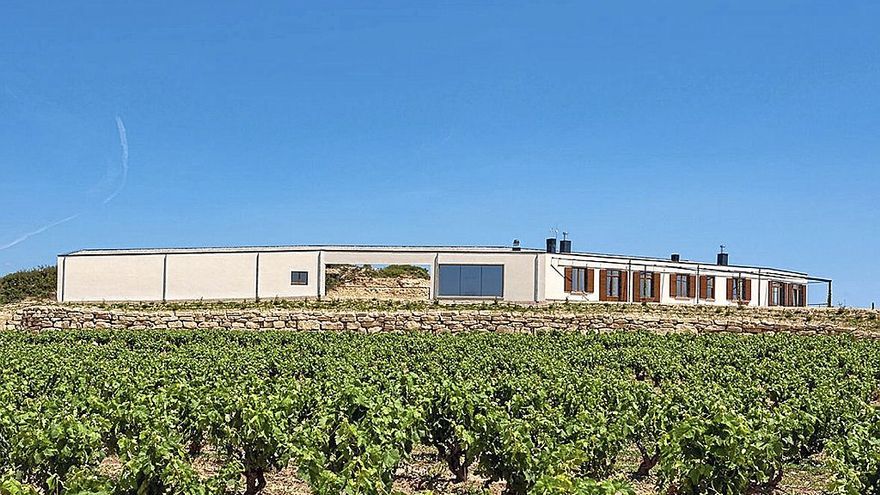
(640, 127)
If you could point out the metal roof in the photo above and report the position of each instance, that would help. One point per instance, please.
(294, 248)
(415, 249)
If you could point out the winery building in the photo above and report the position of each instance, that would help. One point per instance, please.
(513, 274)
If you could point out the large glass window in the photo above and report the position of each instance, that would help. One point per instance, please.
(471, 280)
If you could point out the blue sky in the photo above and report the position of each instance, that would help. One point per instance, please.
(640, 127)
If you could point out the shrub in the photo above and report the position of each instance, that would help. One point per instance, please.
(36, 283)
(403, 271)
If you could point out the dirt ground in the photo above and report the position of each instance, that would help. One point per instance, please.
(424, 474)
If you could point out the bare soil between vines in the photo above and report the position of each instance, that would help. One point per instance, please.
(425, 474)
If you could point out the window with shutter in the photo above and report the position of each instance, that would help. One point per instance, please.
(613, 285)
(656, 283)
(645, 283)
(708, 287)
(576, 279)
(682, 286)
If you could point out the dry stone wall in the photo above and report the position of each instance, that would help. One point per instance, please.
(445, 320)
(401, 289)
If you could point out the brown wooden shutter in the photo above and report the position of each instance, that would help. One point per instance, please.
(692, 282)
(590, 283)
(704, 287)
(770, 286)
(656, 286)
(729, 288)
(603, 285)
(568, 279)
(803, 295)
(623, 293)
(637, 287)
(673, 292)
(748, 290)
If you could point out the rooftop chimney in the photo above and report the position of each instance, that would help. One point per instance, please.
(551, 244)
(516, 246)
(675, 257)
(723, 258)
(565, 243)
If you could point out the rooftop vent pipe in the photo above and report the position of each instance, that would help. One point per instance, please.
(516, 246)
(675, 257)
(551, 244)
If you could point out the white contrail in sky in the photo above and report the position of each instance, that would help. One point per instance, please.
(40, 230)
(123, 143)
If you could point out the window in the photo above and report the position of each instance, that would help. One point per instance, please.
(578, 279)
(710, 287)
(797, 295)
(682, 286)
(299, 278)
(612, 283)
(471, 280)
(738, 289)
(775, 294)
(646, 285)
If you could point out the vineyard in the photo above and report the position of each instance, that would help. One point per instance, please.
(199, 412)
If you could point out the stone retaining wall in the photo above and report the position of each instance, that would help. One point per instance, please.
(438, 320)
(383, 289)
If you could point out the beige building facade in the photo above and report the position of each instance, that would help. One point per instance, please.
(462, 273)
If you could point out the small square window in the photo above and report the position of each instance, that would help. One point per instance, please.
(299, 278)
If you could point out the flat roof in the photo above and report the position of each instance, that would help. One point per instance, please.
(408, 249)
(312, 247)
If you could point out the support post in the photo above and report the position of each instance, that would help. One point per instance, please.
(257, 279)
(435, 273)
(164, 277)
(829, 293)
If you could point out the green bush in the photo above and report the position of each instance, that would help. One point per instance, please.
(403, 271)
(36, 283)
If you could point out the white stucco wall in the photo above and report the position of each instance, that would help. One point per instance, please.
(275, 271)
(110, 278)
(211, 276)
